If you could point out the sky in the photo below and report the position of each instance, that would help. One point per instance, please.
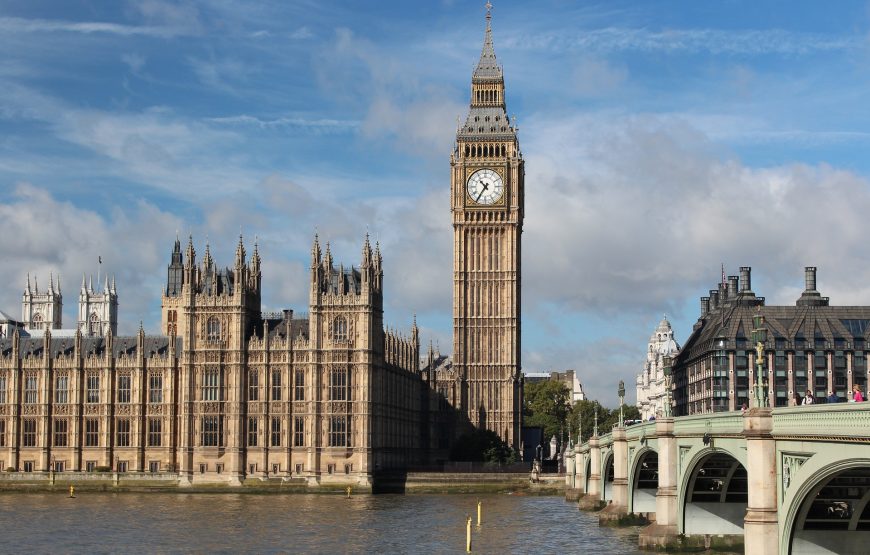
(662, 139)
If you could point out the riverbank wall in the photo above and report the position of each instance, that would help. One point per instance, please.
(394, 482)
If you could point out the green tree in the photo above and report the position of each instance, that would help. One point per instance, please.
(547, 404)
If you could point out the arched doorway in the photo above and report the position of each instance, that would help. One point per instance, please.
(835, 516)
(645, 482)
(716, 496)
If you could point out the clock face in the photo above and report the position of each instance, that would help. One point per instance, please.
(485, 186)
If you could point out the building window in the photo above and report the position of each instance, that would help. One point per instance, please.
(28, 432)
(30, 389)
(155, 388)
(93, 393)
(338, 385)
(253, 386)
(60, 432)
(338, 431)
(2, 435)
(298, 431)
(252, 432)
(211, 385)
(276, 431)
(122, 428)
(92, 432)
(155, 429)
(211, 431)
(276, 385)
(61, 390)
(213, 329)
(124, 388)
(2, 389)
(339, 329)
(300, 385)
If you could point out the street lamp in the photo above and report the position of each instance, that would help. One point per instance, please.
(621, 393)
(759, 336)
(667, 363)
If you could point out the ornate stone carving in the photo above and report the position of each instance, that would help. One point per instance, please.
(791, 462)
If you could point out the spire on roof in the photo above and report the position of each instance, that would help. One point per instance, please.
(487, 67)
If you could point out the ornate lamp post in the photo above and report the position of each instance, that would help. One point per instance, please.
(667, 363)
(621, 393)
(759, 336)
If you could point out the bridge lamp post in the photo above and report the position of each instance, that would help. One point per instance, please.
(759, 336)
(621, 393)
(667, 369)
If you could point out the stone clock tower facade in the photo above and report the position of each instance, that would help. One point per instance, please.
(486, 192)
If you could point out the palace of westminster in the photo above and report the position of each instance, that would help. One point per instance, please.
(227, 392)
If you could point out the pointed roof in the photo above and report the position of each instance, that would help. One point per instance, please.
(487, 68)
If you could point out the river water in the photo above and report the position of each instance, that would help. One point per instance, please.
(233, 523)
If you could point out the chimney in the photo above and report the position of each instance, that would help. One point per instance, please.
(705, 306)
(745, 279)
(732, 287)
(810, 278)
(810, 296)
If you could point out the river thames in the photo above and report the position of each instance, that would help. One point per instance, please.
(215, 523)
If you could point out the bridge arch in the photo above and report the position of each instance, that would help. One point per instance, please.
(829, 511)
(713, 493)
(607, 471)
(644, 481)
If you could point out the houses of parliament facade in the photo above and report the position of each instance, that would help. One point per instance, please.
(227, 392)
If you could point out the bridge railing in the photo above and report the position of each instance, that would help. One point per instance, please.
(841, 420)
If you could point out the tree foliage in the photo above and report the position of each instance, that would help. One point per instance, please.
(482, 446)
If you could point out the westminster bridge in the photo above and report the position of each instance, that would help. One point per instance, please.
(783, 480)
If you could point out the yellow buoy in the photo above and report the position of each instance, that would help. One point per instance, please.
(468, 535)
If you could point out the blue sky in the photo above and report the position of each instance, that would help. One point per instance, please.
(661, 140)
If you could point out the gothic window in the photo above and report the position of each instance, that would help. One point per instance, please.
(36, 323)
(28, 433)
(339, 329)
(338, 431)
(30, 389)
(124, 388)
(210, 434)
(299, 385)
(276, 431)
(155, 388)
(253, 385)
(213, 329)
(211, 385)
(276, 385)
(155, 429)
(94, 324)
(252, 432)
(298, 431)
(61, 426)
(61, 390)
(92, 432)
(338, 385)
(122, 427)
(93, 391)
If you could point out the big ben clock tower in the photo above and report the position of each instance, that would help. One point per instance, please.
(486, 192)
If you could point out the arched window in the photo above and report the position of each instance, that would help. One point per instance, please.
(213, 329)
(94, 324)
(339, 329)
